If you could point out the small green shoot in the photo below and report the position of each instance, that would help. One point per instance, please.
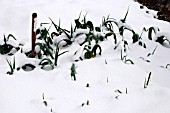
(10, 35)
(152, 52)
(145, 59)
(73, 72)
(146, 82)
(105, 61)
(86, 103)
(117, 97)
(87, 85)
(107, 80)
(43, 96)
(166, 67)
(58, 28)
(45, 103)
(124, 20)
(12, 67)
(118, 91)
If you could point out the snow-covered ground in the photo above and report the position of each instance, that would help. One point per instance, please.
(105, 84)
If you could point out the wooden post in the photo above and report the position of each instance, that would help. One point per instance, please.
(34, 22)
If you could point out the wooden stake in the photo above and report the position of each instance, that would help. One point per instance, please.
(32, 53)
(34, 17)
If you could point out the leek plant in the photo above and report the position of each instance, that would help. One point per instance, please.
(6, 48)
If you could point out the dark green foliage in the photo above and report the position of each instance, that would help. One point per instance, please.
(107, 23)
(58, 28)
(111, 34)
(95, 49)
(10, 35)
(90, 25)
(150, 30)
(47, 50)
(92, 53)
(98, 29)
(54, 34)
(93, 36)
(45, 47)
(162, 39)
(142, 44)
(61, 30)
(135, 38)
(57, 53)
(83, 24)
(6, 48)
(88, 55)
(46, 61)
(125, 60)
(128, 60)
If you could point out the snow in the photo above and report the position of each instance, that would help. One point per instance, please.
(104, 84)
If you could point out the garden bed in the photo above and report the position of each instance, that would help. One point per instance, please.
(162, 6)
